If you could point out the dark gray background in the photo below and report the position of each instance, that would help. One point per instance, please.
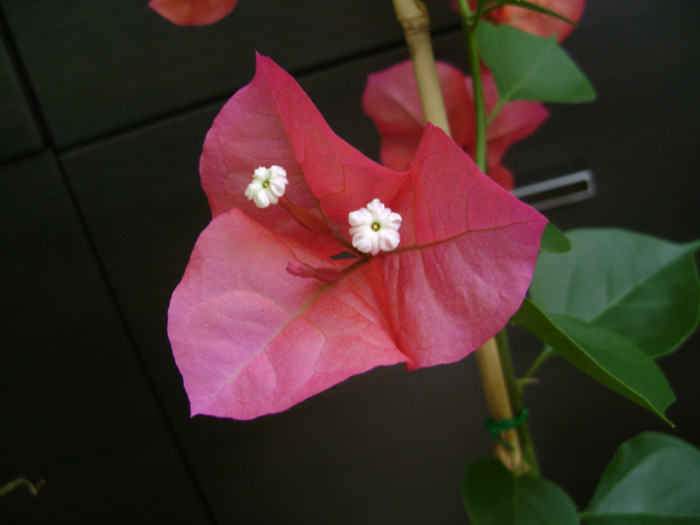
(103, 109)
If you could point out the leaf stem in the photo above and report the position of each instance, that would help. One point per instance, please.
(544, 356)
(469, 24)
(494, 112)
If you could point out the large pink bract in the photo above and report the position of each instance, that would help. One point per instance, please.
(193, 12)
(250, 338)
(391, 100)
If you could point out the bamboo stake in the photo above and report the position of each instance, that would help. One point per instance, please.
(499, 405)
(413, 17)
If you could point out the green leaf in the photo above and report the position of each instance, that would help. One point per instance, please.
(529, 67)
(603, 355)
(554, 240)
(652, 479)
(492, 495)
(643, 288)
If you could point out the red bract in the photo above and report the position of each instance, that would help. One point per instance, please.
(264, 317)
(539, 23)
(533, 22)
(391, 100)
(193, 12)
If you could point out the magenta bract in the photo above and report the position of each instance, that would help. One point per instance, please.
(192, 12)
(530, 21)
(391, 100)
(253, 332)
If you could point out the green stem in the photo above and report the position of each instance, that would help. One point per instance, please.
(494, 112)
(469, 24)
(544, 356)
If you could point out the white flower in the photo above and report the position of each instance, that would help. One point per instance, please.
(267, 187)
(374, 228)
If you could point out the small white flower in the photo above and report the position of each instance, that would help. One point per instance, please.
(267, 187)
(374, 228)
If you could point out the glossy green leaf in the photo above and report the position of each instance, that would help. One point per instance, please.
(652, 479)
(643, 288)
(492, 495)
(529, 67)
(554, 240)
(602, 354)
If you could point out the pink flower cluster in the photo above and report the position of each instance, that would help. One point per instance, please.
(391, 100)
(277, 304)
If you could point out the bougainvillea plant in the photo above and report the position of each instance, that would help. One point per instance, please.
(320, 263)
(265, 316)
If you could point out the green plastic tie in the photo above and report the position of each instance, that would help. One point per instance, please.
(496, 427)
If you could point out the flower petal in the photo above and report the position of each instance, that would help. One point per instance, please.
(272, 121)
(248, 133)
(391, 100)
(468, 251)
(533, 22)
(193, 12)
(502, 176)
(539, 23)
(250, 338)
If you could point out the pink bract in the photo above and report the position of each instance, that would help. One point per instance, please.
(193, 12)
(391, 100)
(533, 22)
(251, 337)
